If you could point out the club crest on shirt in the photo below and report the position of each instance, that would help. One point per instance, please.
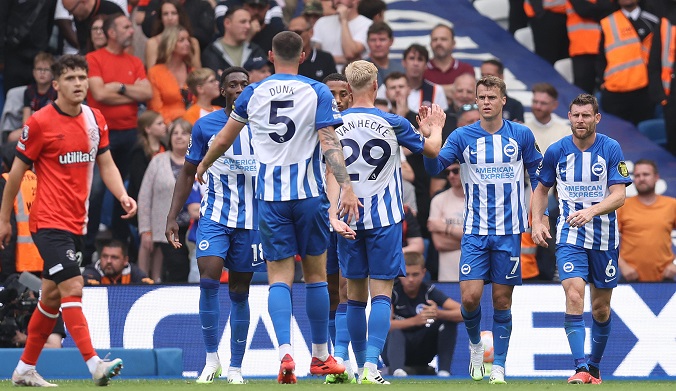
(509, 150)
(598, 168)
(24, 133)
(94, 135)
(622, 169)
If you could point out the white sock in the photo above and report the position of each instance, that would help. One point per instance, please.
(22, 367)
(92, 363)
(360, 372)
(212, 359)
(284, 350)
(234, 370)
(320, 350)
(347, 364)
(373, 368)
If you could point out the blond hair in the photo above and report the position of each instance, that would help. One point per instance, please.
(168, 41)
(198, 77)
(361, 74)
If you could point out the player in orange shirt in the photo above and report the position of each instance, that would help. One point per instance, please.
(63, 141)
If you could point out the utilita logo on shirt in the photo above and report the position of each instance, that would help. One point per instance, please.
(78, 157)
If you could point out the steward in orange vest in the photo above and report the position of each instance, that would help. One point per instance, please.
(547, 19)
(662, 81)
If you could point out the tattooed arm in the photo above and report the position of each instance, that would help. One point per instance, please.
(335, 162)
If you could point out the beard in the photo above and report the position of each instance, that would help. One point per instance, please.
(645, 189)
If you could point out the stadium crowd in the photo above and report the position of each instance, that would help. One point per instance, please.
(157, 66)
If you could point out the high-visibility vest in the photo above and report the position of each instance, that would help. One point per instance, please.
(529, 263)
(584, 34)
(626, 55)
(27, 256)
(556, 6)
(668, 35)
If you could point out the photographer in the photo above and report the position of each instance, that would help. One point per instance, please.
(17, 304)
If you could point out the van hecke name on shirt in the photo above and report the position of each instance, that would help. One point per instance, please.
(379, 128)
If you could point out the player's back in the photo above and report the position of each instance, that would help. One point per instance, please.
(583, 179)
(370, 140)
(284, 113)
(229, 199)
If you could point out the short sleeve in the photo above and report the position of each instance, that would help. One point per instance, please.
(547, 170)
(438, 296)
(195, 196)
(27, 98)
(104, 133)
(617, 168)
(450, 151)
(95, 69)
(408, 136)
(31, 141)
(239, 113)
(531, 151)
(139, 70)
(197, 145)
(327, 108)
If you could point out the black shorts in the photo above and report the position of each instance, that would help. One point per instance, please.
(61, 251)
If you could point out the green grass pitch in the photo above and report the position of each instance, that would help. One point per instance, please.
(397, 384)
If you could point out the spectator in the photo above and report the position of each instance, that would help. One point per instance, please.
(464, 96)
(113, 268)
(412, 240)
(170, 75)
(422, 92)
(344, 33)
(200, 13)
(155, 196)
(584, 34)
(318, 64)
(547, 19)
(373, 9)
(232, 49)
(274, 12)
(661, 67)
(25, 28)
(424, 324)
(263, 30)
(171, 15)
(446, 225)
(645, 223)
(97, 38)
(311, 12)
(84, 12)
(626, 36)
(380, 39)
(443, 69)
(259, 68)
(547, 127)
(117, 84)
(513, 110)
(39, 93)
(203, 85)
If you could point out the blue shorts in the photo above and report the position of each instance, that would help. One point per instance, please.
(294, 227)
(595, 266)
(375, 253)
(492, 258)
(239, 248)
(332, 264)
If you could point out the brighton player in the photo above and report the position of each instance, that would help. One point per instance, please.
(590, 174)
(227, 234)
(371, 140)
(62, 141)
(493, 154)
(292, 120)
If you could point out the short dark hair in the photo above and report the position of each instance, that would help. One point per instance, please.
(497, 63)
(445, 26)
(114, 243)
(380, 27)
(109, 22)
(371, 8)
(546, 88)
(583, 100)
(335, 77)
(228, 71)
(393, 76)
(490, 82)
(69, 61)
(647, 162)
(232, 10)
(287, 45)
(414, 258)
(420, 49)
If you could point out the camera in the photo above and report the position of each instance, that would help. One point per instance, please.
(17, 303)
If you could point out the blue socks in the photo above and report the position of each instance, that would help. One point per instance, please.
(502, 331)
(356, 325)
(332, 328)
(599, 333)
(574, 326)
(239, 327)
(378, 327)
(342, 339)
(472, 323)
(317, 309)
(279, 307)
(209, 313)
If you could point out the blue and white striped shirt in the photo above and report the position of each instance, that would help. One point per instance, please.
(582, 180)
(370, 140)
(492, 172)
(284, 113)
(229, 197)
